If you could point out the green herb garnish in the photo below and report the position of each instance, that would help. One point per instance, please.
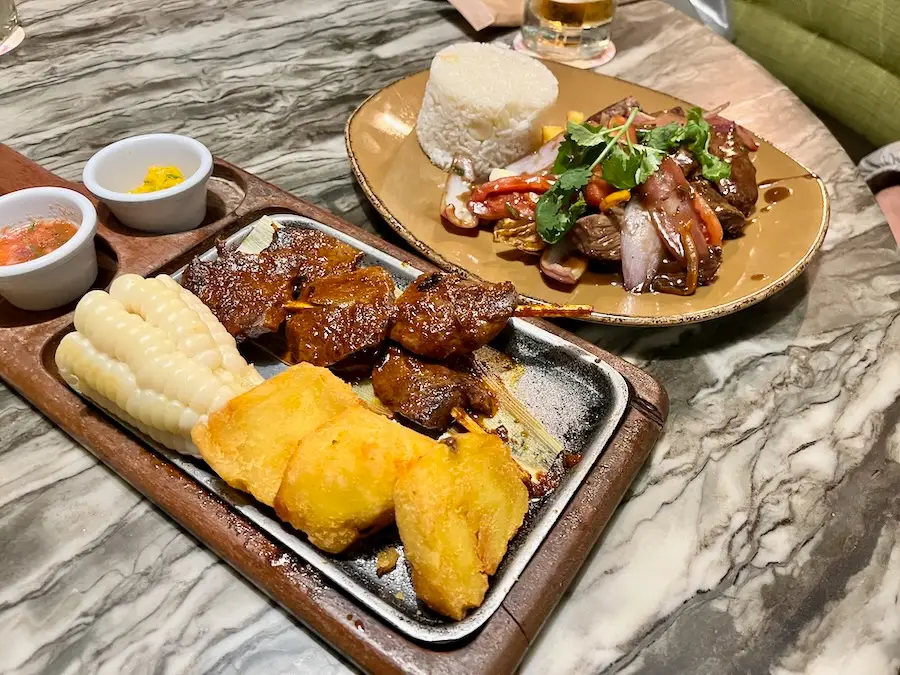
(695, 135)
(584, 148)
(624, 166)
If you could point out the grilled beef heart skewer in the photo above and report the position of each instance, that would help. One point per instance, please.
(247, 292)
(344, 314)
(426, 393)
(442, 315)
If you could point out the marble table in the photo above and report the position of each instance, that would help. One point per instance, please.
(763, 535)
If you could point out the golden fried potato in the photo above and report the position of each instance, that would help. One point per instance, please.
(339, 484)
(250, 440)
(456, 511)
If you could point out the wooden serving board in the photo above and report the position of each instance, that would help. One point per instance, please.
(27, 344)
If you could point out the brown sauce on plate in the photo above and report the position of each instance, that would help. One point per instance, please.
(777, 194)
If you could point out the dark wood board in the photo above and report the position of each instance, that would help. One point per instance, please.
(27, 344)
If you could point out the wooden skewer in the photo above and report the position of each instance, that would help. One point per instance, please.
(468, 422)
(553, 310)
(296, 305)
(535, 310)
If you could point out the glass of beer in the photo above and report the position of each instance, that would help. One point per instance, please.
(568, 30)
(11, 33)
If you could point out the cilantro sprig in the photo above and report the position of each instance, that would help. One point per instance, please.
(584, 148)
(624, 165)
(694, 134)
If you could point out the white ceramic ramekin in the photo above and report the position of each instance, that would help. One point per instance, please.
(121, 167)
(62, 275)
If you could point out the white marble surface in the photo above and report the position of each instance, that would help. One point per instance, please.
(762, 536)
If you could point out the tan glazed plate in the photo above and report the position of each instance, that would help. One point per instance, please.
(405, 188)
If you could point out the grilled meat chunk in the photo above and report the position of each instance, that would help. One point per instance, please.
(312, 253)
(740, 188)
(350, 312)
(442, 315)
(686, 161)
(426, 393)
(598, 235)
(245, 292)
(619, 108)
(733, 221)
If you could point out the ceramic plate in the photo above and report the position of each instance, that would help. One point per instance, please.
(405, 188)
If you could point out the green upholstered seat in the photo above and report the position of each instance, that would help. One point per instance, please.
(839, 56)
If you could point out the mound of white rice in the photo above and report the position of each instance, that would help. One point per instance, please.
(483, 101)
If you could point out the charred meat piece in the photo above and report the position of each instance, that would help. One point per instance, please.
(426, 393)
(311, 253)
(441, 315)
(598, 235)
(349, 313)
(746, 137)
(686, 161)
(733, 221)
(620, 109)
(740, 188)
(245, 292)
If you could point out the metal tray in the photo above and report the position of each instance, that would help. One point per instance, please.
(579, 399)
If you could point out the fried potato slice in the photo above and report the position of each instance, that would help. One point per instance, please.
(456, 511)
(250, 440)
(339, 484)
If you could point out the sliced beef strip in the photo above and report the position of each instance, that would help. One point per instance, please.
(598, 236)
(622, 108)
(686, 161)
(425, 392)
(740, 188)
(733, 221)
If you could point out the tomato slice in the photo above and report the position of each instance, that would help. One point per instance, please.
(516, 205)
(618, 121)
(524, 183)
(596, 190)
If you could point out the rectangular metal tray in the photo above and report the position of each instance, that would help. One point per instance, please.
(578, 398)
(238, 198)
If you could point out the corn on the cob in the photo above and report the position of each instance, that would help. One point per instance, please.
(153, 355)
